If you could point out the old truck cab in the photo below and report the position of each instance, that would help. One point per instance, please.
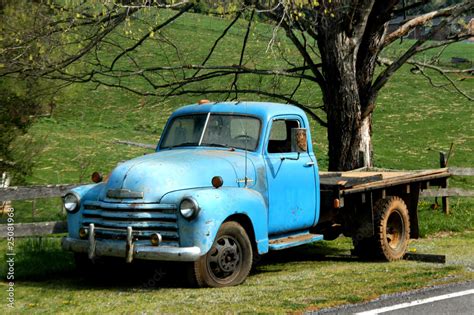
(227, 181)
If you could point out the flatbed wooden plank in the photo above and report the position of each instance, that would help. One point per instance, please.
(399, 180)
(350, 181)
(379, 179)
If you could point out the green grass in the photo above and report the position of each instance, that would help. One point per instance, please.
(432, 221)
(304, 278)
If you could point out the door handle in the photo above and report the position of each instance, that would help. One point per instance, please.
(308, 164)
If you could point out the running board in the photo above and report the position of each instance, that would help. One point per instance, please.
(293, 240)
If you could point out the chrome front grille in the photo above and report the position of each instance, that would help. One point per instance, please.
(112, 219)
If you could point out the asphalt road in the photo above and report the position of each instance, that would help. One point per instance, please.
(449, 299)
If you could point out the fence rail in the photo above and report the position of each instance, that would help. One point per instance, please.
(461, 171)
(33, 229)
(33, 192)
(447, 192)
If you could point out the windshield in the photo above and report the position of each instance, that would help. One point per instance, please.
(214, 130)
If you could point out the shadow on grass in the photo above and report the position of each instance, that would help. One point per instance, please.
(41, 262)
(321, 251)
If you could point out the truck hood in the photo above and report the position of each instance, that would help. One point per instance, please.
(162, 172)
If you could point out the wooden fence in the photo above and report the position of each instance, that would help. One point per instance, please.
(451, 192)
(34, 192)
(48, 191)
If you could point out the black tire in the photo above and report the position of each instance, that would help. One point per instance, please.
(392, 228)
(392, 232)
(229, 260)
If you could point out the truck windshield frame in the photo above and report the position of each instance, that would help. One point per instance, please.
(225, 130)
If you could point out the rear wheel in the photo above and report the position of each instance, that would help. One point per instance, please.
(392, 231)
(392, 224)
(229, 260)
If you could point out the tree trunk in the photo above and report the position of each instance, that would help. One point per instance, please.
(345, 90)
(365, 146)
(349, 135)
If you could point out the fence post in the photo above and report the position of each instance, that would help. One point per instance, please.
(443, 162)
(4, 183)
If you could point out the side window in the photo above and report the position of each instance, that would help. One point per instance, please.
(280, 135)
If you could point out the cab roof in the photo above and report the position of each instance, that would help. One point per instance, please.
(264, 110)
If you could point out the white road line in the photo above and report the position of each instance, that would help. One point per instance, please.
(416, 302)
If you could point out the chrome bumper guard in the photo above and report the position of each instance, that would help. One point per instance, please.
(128, 249)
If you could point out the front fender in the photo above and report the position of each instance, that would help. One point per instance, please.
(216, 205)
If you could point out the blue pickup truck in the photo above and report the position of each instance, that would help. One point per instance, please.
(232, 180)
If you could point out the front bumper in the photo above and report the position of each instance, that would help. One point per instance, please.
(128, 249)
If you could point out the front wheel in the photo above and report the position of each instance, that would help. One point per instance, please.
(229, 260)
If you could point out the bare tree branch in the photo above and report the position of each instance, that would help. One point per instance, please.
(216, 42)
(221, 92)
(233, 86)
(443, 72)
(410, 7)
(420, 66)
(423, 19)
(383, 77)
(444, 43)
(147, 35)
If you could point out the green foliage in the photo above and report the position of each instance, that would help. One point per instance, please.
(16, 147)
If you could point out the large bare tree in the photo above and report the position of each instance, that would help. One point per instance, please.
(339, 42)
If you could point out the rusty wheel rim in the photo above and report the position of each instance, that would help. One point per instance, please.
(395, 231)
(224, 259)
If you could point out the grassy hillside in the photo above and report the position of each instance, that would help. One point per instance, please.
(412, 122)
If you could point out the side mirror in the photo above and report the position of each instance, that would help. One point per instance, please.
(299, 142)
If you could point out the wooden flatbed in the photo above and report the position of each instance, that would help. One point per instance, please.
(369, 204)
(356, 181)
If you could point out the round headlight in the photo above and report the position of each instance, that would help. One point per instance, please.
(71, 202)
(189, 208)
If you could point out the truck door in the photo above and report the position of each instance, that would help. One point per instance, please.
(291, 180)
